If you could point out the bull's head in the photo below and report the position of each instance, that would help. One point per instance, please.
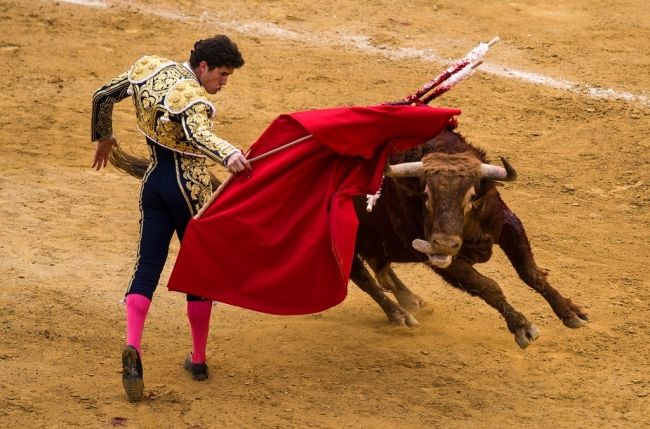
(451, 196)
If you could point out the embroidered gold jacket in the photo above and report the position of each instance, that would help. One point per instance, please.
(172, 108)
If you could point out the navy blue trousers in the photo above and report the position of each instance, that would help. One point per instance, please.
(165, 209)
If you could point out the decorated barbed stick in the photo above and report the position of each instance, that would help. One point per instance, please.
(415, 97)
(461, 70)
(472, 57)
(455, 74)
(452, 81)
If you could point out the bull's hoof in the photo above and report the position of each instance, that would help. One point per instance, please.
(526, 335)
(403, 318)
(410, 301)
(576, 317)
(574, 323)
(579, 312)
(411, 321)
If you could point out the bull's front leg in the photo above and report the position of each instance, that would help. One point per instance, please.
(462, 275)
(515, 244)
(388, 280)
(364, 280)
(406, 298)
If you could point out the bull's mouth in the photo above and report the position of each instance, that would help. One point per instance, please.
(438, 260)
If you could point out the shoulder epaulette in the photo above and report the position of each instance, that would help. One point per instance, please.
(184, 94)
(146, 67)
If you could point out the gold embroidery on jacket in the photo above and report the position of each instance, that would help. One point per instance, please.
(185, 94)
(152, 117)
(198, 128)
(193, 173)
(103, 101)
(146, 67)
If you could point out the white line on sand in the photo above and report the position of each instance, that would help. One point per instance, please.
(363, 44)
(91, 3)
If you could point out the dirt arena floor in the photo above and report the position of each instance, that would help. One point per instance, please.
(68, 233)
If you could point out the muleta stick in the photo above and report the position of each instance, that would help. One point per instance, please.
(216, 193)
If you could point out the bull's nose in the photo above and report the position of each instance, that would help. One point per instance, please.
(443, 243)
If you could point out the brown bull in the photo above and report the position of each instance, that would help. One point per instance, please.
(442, 207)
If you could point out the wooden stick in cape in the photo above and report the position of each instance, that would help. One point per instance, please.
(216, 193)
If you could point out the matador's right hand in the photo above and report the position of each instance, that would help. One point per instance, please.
(104, 147)
(238, 163)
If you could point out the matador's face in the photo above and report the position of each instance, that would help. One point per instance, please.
(213, 80)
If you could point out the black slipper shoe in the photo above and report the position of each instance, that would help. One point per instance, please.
(132, 374)
(198, 371)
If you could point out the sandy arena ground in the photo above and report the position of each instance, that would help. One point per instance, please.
(68, 233)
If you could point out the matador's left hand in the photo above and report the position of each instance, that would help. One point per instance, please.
(104, 147)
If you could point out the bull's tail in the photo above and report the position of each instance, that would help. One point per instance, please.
(137, 166)
(128, 163)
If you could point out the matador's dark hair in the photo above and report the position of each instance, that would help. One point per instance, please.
(217, 51)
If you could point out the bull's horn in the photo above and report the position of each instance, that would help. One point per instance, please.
(512, 174)
(406, 169)
(506, 173)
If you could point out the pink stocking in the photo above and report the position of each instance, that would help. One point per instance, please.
(137, 307)
(198, 313)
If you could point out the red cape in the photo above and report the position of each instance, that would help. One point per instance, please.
(281, 240)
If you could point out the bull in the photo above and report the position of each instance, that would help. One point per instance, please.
(439, 205)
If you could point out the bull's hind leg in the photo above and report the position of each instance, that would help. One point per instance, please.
(389, 281)
(514, 242)
(462, 275)
(362, 278)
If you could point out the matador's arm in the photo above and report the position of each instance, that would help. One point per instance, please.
(198, 129)
(101, 126)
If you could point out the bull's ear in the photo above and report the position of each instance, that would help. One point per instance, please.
(478, 202)
(486, 183)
